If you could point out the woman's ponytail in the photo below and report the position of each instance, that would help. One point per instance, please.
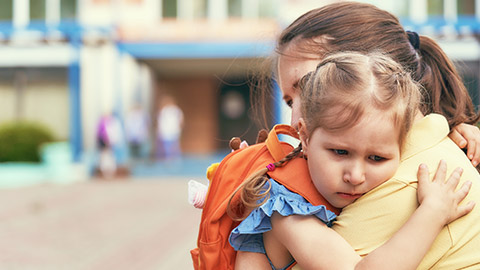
(447, 93)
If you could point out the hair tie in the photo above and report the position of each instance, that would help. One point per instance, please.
(271, 167)
(414, 39)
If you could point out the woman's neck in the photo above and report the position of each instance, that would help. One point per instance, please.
(418, 116)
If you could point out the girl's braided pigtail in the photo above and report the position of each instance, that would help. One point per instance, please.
(254, 190)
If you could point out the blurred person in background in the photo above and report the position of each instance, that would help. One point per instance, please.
(169, 129)
(106, 164)
(110, 139)
(137, 125)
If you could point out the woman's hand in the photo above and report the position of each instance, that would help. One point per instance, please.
(468, 136)
(440, 195)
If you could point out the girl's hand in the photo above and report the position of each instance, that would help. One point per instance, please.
(440, 195)
(465, 135)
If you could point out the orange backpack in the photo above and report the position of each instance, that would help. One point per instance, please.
(213, 249)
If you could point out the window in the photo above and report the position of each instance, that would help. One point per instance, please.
(68, 9)
(37, 9)
(169, 8)
(234, 8)
(435, 7)
(6, 12)
(466, 7)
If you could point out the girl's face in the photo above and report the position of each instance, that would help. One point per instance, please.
(346, 164)
(292, 66)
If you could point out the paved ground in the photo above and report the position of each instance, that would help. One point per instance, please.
(96, 225)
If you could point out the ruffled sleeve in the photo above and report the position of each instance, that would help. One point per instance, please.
(247, 236)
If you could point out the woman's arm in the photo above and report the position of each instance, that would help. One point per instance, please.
(468, 136)
(315, 246)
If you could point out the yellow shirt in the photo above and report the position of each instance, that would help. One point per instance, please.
(375, 217)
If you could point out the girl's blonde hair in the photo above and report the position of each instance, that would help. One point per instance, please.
(343, 88)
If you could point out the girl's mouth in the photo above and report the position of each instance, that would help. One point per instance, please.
(349, 196)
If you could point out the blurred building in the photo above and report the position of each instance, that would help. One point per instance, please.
(67, 62)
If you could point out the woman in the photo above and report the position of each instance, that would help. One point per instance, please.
(348, 26)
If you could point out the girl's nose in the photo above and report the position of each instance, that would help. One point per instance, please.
(355, 175)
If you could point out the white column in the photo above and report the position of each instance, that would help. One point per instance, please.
(450, 10)
(160, 9)
(52, 12)
(477, 9)
(418, 10)
(21, 13)
(250, 9)
(156, 9)
(217, 10)
(81, 11)
(185, 9)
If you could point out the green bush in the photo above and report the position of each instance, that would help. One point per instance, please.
(20, 141)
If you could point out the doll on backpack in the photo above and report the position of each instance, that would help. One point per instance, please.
(356, 112)
(197, 192)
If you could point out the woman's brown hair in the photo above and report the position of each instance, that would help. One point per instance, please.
(353, 26)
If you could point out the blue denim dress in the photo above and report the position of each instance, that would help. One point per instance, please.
(248, 235)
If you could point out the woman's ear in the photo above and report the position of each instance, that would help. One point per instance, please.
(303, 134)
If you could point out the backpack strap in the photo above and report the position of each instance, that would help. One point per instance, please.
(295, 176)
(274, 145)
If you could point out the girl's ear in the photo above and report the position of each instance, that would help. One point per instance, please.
(303, 134)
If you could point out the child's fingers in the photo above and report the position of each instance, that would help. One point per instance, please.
(462, 210)
(454, 178)
(463, 191)
(441, 172)
(422, 173)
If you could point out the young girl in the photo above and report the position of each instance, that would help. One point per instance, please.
(356, 112)
(370, 222)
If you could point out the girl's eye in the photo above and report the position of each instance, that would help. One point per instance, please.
(340, 152)
(376, 158)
